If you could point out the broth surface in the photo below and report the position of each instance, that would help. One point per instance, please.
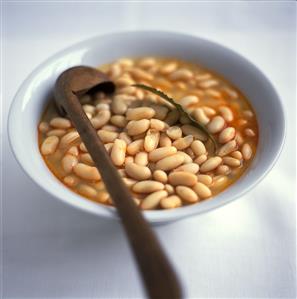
(208, 97)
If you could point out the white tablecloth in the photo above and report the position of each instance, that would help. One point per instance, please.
(243, 250)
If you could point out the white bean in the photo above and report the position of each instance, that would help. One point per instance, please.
(169, 189)
(231, 162)
(99, 185)
(181, 74)
(187, 158)
(190, 167)
(227, 148)
(140, 74)
(101, 119)
(170, 202)
(49, 145)
(161, 153)
(135, 147)
(227, 134)
(210, 164)
(137, 172)
(238, 138)
(102, 106)
(69, 139)
(200, 115)
(242, 122)
(103, 197)
(165, 141)
(115, 71)
(168, 68)
(182, 178)
(198, 147)
(202, 190)
(73, 150)
(219, 180)
(118, 152)
(231, 93)
(60, 123)
(237, 155)
(174, 132)
(184, 142)
(70, 180)
(141, 158)
(249, 132)
(89, 108)
(86, 172)
(200, 159)
(216, 124)
(187, 194)
(246, 151)
(188, 100)
(209, 111)
(140, 113)
(213, 93)
(227, 113)
(157, 124)
(118, 106)
(56, 132)
(151, 140)
(86, 190)
(147, 62)
(160, 176)
(205, 179)
(68, 162)
(119, 121)
(136, 127)
(152, 201)
(170, 162)
(124, 81)
(125, 62)
(208, 83)
(129, 90)
(147, 186)
(223, 169)
(110, 128)
(107, 136)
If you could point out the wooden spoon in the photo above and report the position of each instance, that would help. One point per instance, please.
(158, 275)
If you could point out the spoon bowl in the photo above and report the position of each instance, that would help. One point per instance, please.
(78, 81)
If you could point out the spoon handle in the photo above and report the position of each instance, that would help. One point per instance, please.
(158, 275)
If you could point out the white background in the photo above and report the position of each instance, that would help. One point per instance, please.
(243, 250)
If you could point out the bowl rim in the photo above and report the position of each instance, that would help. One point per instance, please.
(154, 216)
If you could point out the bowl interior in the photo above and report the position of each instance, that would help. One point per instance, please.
(33, 95)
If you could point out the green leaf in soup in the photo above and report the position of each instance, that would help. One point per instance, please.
(181, 110)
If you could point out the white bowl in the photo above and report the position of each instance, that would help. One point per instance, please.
(36, 90)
